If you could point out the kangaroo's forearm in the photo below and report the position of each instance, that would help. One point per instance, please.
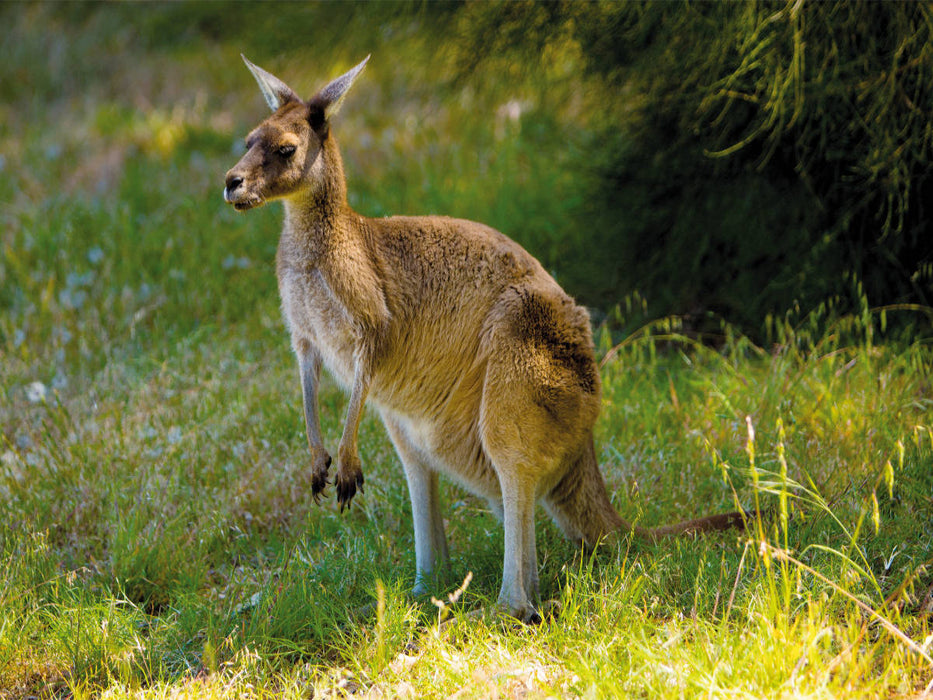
(349, 467)
(309, 365)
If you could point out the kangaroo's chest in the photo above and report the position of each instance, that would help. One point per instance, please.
(314, 312)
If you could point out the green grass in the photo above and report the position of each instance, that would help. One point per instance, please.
(156, 535)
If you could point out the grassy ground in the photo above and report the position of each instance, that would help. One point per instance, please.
(156, 538)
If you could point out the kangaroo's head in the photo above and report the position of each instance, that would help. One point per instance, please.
(285, 153)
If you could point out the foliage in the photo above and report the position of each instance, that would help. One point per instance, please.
(746, 157)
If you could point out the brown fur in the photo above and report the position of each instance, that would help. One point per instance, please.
(479, 364)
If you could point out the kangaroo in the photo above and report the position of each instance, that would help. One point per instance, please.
(481, 367)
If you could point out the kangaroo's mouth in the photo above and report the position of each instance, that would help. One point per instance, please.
(243, 202)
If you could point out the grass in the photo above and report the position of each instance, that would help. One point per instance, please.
(156, 538)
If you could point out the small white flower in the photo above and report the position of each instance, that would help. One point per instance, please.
(37, 392)
(95, 255)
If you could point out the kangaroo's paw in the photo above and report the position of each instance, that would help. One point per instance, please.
(319, 480)
(520, 608)
(527, 614)
(349, 479)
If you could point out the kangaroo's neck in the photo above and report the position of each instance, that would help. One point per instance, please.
(318, 217)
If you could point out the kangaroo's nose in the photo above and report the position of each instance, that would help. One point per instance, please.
(233, 181)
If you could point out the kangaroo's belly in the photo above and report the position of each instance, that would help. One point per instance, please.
(452, 449)
(433, 391)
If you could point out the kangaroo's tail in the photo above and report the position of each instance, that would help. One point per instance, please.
(580, 505)
(711, 523)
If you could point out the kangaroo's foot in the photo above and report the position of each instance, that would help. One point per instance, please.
(519, 606)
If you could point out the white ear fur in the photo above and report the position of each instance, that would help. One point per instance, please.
(333, 93)
(274, 90)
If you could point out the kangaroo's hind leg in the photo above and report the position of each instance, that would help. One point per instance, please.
(430, 541)
(522, 443)
(540, 398)
(519, 590)
(518, 439)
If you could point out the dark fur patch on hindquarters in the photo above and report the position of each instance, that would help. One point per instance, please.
(556, 330)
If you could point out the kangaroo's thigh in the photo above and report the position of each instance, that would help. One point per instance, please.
(541, 389)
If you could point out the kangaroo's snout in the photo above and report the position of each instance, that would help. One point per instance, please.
(233, 182)
(237, 194)
(231, 185)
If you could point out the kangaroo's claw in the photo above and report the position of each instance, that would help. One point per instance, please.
(347, 486)
(319, 480)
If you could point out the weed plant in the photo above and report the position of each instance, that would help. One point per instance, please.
(156, 536)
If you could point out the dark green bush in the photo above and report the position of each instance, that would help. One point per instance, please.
(744, 158)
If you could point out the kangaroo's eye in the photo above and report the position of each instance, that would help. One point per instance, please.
(286, 151)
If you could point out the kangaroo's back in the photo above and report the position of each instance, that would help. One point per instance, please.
(442, 278)
(479, 364)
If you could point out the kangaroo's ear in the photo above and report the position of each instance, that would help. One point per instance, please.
(274, 90)
(330, 97)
